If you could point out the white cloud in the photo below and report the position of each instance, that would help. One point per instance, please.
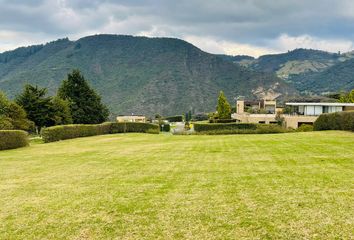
(211, 45)
(286, 42)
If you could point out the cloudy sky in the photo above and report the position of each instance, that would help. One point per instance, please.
(252, 27)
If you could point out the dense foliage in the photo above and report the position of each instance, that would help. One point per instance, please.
(238, 128)
(85, 104)
(348, 97)
(335, 121)
(13, 116)
(224, 107)
(222, 120)
(178, 118)
(201, 127)
(44, 111)
(10, 139)
(57, 133)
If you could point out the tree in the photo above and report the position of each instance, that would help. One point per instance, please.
(347, 98)
(37, 105)
(85, 103)
(12, 115)
(61, 111)
(223, 108)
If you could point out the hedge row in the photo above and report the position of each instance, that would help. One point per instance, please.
(63, 132)
(222, 120)
(335, 121)
(178, 118)
(239, 128)
(203, 127)
(10, 139)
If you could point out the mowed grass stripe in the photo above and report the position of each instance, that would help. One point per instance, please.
(141, 186)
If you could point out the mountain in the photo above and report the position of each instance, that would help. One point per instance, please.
(138, 74)
(308, 70)
(336, 78)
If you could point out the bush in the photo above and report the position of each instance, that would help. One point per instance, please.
(305, 128)
(165, 127)
(222, 120)
(239, 128)
(10, 139)
(335, 121)
(203, 127)
(178, 118)
(57, 133)
(124, 127)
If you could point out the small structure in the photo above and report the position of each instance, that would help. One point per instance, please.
(131, 118)
(301, 113)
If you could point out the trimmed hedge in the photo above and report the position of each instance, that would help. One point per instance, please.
(222, 120)
(204, 127)
(10, 139)
(62, 132)
(165, 127)
(124, 127)
(238, 128)
(178, 118)
(335, 121)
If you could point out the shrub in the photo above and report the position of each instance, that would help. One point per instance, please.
(305, 128)
(124, 127)
(202, 127)
(178, 118)
(57, 133)
(335, 121)
(239, 128)
(165, 127)
(10, 139)
(222, 120)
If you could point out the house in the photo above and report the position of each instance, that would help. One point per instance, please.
(307, 112)
(300, 113)
(131, 118)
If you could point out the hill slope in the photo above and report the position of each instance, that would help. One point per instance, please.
(309, 70)
(137, 74)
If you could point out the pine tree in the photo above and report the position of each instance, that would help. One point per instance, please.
(85, 103)
(37, 106)
(223, 108)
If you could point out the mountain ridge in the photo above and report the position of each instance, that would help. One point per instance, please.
(138, 74)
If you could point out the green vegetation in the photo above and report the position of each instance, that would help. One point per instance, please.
(44, 111)
(63, 132)
(13, 116)
(223, 107)
(178, 118)
(201, 127)
(348, 97)
(10, 139)
(237, 128)
(335, 121)
(135, 74)
(140, 186)
(85, 103)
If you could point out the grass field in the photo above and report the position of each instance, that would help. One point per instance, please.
(136, 186)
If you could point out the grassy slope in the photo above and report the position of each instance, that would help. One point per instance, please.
(297, 185)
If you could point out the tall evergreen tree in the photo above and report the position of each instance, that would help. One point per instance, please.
(38, 107)
(85, 103)
(223, 108)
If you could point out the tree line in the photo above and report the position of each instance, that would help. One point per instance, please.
(75, 103)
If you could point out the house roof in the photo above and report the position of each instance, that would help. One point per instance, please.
(320, 104)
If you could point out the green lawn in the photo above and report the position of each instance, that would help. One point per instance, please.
(142, 186)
